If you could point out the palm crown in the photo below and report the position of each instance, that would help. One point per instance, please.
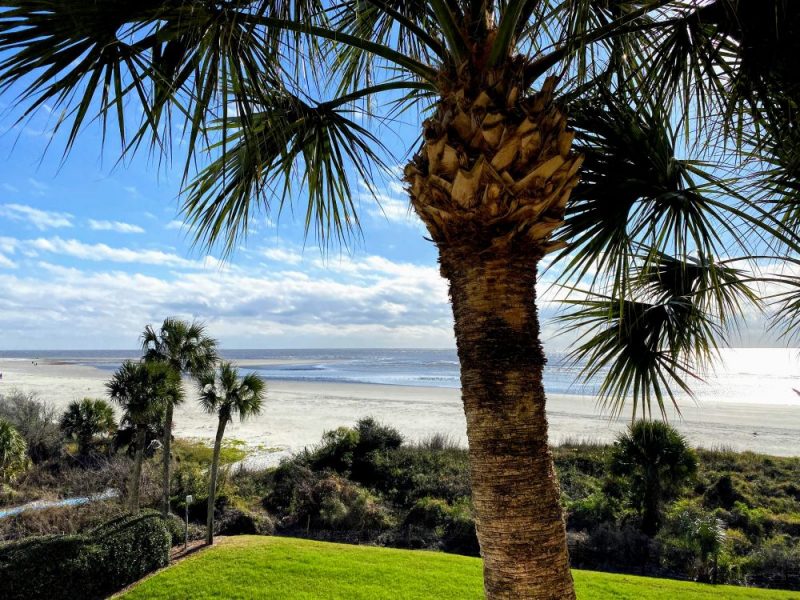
(143, 390)
(227, 395)
(184, 346)
(87, 418)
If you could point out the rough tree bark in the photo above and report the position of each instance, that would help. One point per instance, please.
(514, 488)
(491, 183)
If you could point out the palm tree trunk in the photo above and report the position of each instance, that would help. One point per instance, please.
(136, 476)
(515, 492)
(167, 450)
(212, 481)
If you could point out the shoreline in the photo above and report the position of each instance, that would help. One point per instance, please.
(298, 412)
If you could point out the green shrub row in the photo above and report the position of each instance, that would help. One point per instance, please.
(88, 566)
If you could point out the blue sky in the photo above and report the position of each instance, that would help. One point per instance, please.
(91, 251)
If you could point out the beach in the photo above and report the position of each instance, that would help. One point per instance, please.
(298, 412)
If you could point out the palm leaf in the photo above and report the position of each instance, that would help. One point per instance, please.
(288, 136)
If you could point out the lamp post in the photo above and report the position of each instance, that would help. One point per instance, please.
(186, 536)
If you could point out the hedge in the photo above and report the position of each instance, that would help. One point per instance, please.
(89, 566)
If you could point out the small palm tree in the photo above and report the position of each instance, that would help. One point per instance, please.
(143, 390)
(656, 461)
(13, 452)
(709, 536)
(187, 349)
(227, 395)
(86, 419)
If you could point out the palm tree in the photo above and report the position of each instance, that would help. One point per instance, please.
(505, 89)
(187, 349)
(656, 462)
(227, 395)
(13, 452)
(143, 390)
(86, 419)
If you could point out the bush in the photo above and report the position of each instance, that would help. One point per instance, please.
(588, 512)
(433, 523)
(775, 564)
(88, 566)
(620, 547)
(334, 503)
(336, 450)
(37, 423)
(352, 451)
(724, 493)
(241, 522)
(411, 473)
(177, 530)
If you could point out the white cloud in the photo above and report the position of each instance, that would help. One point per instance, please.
(175, 224)
(7, 263)
(405, 306)
(391, 205)
(104, 252)
(283, 256)
(117, 226)
(41, 219)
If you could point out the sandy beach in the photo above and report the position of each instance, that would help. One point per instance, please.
(297, 413)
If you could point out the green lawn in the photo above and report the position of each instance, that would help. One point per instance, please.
(251, 567)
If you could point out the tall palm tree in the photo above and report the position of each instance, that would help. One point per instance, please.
(143, 390)
(86, 419)
(226, 395)
(187, 349)
(504, 89)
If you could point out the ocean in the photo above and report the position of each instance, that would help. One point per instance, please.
(741, 375)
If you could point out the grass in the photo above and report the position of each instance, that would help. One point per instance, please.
(252, 567)
(199, 451)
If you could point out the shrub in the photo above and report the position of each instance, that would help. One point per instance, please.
(589, 511)
(36, 421)
(335, 452)
(337, 504)
(775, 564)
(433, 523)
(351, 451)
(176, 527)
(131, 547)
(88, 566)
(621, 547)
(724, 493)
(410, 473)
(241, 522)
(285, 480)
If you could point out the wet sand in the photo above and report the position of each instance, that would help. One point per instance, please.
(297, 413)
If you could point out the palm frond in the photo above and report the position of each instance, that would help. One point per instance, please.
(650, 342)
(636, 193)
(290, 144)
